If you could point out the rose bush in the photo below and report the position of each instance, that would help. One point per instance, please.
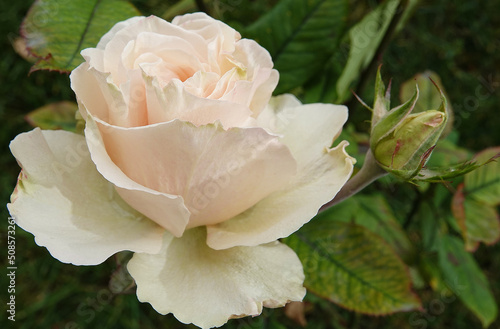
(188, 162)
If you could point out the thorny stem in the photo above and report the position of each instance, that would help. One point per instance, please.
(369, 173)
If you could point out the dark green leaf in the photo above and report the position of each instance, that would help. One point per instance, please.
(56, 31)
(300, 35)
(353, 267)
(429, 226)
(464, 277)
(364, 40)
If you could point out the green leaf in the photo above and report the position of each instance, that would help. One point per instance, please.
(474, 202)
(300, 35)
(56, 31)
(60, 115)
(364, 40)
(373, 213)
(478, 221)
(321, 88)
(439, 174)
(353, 267)
(429, 226)
(464, 277)
(482, 224)
(484, 183)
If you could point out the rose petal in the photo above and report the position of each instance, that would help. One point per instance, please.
(207, 287)
(308, 131)
(167, 210)
(263, 78)
(175, 52)
(175, 102)
(95, 56)
(69, 207)
(106, 38)
(115, 47)
(218, 173)
(220, 37)
(124, 106)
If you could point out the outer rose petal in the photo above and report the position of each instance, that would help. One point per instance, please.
(167, 210)
(218, 173)
(70, 208)
(101, 98)
(308, 130)
(207, 287)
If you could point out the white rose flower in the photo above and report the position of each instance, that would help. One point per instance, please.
(188, 162)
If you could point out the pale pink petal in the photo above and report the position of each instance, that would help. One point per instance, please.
(106, 38)
(94, 57)
(69, 207)
(218, 173)
(308, 131)
(202, 84)
(89, 95)
(167, 210)
(207, 287)
(220, 39)
(172, 49)
(252, 55)
(106, 101)
(212, 30)
(115, 47)
(175, 102)
(263, 78)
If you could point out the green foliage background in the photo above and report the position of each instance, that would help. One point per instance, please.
(458, 40)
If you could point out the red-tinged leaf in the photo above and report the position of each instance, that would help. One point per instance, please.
(56, 31)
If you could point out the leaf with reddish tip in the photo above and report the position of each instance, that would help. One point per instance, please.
(56, 31)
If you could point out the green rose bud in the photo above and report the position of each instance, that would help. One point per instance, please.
(402, 141)
(404, 151)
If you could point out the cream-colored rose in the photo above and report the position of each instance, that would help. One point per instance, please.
(188, 162)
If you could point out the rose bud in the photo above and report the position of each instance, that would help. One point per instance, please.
(404, 151)
(402, 142)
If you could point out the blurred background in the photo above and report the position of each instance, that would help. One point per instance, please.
(460, 41)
